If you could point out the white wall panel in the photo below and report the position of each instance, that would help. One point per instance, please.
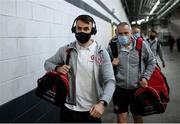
(8, 48)
(3, 26)
(24, 9)
(8, 7)
(42, 13)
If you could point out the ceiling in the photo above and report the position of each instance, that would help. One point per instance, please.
(140, 9)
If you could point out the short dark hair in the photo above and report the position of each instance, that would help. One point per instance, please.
(153, 31)
(123, 24)
(85, 18)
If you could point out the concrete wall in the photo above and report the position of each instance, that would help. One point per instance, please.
(33, 30)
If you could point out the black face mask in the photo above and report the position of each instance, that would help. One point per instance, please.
(152, 37)
(83, 37)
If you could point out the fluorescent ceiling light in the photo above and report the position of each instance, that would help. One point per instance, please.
(154, 7)
(147, 18)
(140, 21)
(168, 9)
(133, 22)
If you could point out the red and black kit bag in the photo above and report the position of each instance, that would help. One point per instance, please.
(53, 87)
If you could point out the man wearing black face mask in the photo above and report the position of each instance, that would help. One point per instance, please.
(90, 72)
(83, 34)
(156, 47)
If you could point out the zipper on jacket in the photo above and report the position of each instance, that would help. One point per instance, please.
(127, 70)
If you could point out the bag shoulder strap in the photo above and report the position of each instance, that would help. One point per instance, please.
(158, 46)
(114, 48)
(151, 44)
(68, 51)
(139, 43)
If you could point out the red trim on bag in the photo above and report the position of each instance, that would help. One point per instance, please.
(147, 89)
(63, 77)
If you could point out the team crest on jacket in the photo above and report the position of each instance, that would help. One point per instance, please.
(96, 59)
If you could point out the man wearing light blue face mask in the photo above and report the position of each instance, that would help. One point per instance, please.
(128, 76)
(136, 32)
(124, 40)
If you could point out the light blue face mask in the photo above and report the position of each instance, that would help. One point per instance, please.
(123, 40)
(136, 35)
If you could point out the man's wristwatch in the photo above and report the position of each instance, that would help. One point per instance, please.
(103, 102)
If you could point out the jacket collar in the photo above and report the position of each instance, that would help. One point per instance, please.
(73, 46)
